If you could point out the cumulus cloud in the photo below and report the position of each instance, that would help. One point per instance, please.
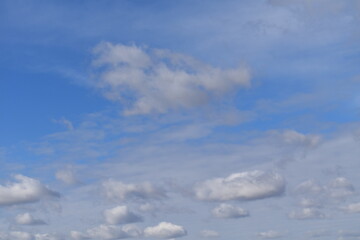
(269, 234)
(156, 81)
(46, 236)
(229, 211)
(66, 176)
(306, 213)
(241, 186)
(165, 230)
(121, 215)
(28, 219)
(17, 235)
(25, 190)
(117, 190)
(209, 234)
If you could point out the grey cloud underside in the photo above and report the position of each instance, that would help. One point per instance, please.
(158, 81)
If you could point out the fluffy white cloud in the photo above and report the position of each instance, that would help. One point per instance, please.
(306, 213)
(118, 190)
(158, 81)
(269, 234)
(241, 186)
(165, 230)
(25, 190)
(121, 215)
(229, 211)
(209, 234)
(28, 219)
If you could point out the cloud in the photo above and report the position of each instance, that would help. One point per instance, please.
(121, 215)
(46, 236)
(165, 230)
(269, 234)
(107, 232)
(17, 235)
(158, 81)
(117, 190)
(306, 213)
(352, 208)
(229, 211)
(67, 176)
(25, 190)
(28, 219)
(209, 234)
(241, 186)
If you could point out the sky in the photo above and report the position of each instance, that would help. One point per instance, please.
(180, 119)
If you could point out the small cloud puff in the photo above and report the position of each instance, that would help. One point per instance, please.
(108, 232)
(121, 215)
(28, 219)
(165, 230)
(306, 213)
(25, 190)
(269, 234)
(209, 234)
(352, 208)
(66, 176)
(241, 186)
(117, 190)
(229, 211)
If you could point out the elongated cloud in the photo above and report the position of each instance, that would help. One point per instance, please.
(165, 230)
(121, 215)
(25, 190)
(156, 81)
(241, 186)
(118, 190)
(229, 211)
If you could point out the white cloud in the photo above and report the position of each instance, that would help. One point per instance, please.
(78, 235)
(209, 234)
(25, 190)
(28, 219)
(352, 208)
(306, 213)
(158, 81)
(269, 234)
(118, 190)
(165, 230)
(241, 186)
(67, 176)
(229, 211)
(121, 215)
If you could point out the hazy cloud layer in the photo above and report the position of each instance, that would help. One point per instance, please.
(28, 219)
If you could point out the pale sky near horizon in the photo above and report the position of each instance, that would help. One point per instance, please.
(180, 119)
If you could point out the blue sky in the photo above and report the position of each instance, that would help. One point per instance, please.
(179, 119)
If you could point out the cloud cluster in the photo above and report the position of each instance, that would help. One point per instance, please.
(209, 234)
(25, 190)
(165, 230)
(107, 232)
(19, 235)
(159, 80)
(229, 211)
(306, 213)
(241, 186)
(28, 219)
(121, 215)
(117, 190)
